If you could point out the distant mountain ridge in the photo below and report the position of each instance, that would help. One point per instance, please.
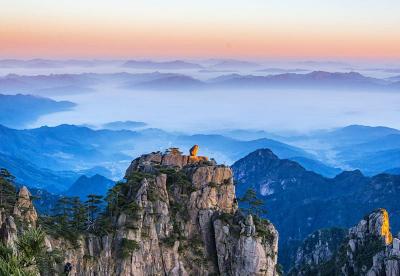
(121, 125)
(49, 150)
(30, 174)
(83, 186)
(154, 65)
(315, 79)
(52, 63)
(372, 149)
(75, 148)
(19, 110)
(226, 64)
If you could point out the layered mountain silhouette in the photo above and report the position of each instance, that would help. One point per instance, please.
(371, 149)
(154, 65)
(51, 63)
(75, 148)
(313, 80)
(19, 110)
(46, 151)
(70, 83)
(127, 125)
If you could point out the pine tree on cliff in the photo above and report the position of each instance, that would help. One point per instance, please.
(79, 214)
(252, 204)
(63, 210)
(7, 190)
(93, 208)
(114, 200)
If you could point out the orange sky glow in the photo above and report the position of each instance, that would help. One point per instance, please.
(63, 32)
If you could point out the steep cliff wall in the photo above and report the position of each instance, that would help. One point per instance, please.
(175, 215)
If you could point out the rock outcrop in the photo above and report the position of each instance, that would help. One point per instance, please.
(194, 150)
(318, 248)
(24, 215)
(176, 215)
(24, 209)
(368, 249)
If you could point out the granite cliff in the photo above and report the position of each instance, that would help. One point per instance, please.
(368, 249)
(174, 215)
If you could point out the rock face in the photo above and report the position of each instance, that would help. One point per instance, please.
(179, 217)
(300, 202)
(318, 248)
(194, 150)
(24, 208)
(369, 249)
(248, 254)
(24, 212)
(372, 235)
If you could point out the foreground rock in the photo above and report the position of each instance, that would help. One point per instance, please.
(23, 214)
(176, 215)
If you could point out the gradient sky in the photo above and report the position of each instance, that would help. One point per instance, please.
(339, 29)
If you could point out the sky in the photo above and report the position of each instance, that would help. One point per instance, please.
(252, 29)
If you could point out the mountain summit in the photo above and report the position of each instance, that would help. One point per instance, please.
(175, 214)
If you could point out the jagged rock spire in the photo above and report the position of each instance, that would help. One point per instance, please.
(375, 224)
(24, 209)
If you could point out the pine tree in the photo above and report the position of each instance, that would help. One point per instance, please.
(113, 200)
(32, 258)
(252, 204)
(7, 190)
(63, 211)
(79, 214)
(93, 208)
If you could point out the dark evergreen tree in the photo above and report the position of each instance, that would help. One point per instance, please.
(113, 200)
(63, 210)
(79, 214)
(93, 207)
(7, 190)
(252, 204)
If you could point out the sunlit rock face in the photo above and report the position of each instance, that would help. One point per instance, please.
(185, 221)
(385, 227)
(369, 249)
(194, 150)
(172, 158)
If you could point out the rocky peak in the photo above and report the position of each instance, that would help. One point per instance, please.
(178, 215)
(349, 175)
(369, 249)
(375, 224)
(172, 157)
(23, 215)
(24, 209)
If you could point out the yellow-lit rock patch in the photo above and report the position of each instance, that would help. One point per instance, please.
(385, 229)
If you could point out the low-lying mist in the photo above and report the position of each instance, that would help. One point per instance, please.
(204, 110)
